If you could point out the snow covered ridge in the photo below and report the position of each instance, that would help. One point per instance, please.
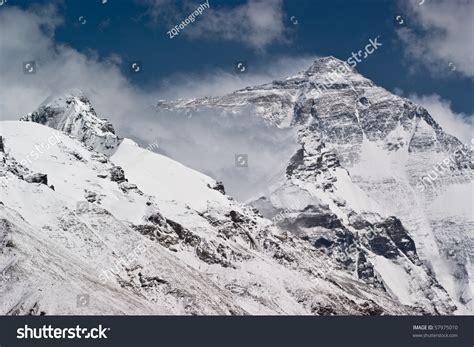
(363, 151)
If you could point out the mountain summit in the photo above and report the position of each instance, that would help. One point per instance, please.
(366, 152)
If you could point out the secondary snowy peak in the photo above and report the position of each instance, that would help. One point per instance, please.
(73, 114)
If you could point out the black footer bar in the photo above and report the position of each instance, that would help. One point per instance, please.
(258, 331)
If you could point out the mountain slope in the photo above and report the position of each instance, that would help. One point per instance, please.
(151, 237)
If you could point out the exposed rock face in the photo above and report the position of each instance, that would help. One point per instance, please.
(36, 178)
(117, 174)
(313, 216)
(219, 186)
(398, 235)
(366, 272)
(9, 166)
(2, 148)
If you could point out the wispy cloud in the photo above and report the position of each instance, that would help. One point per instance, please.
(256, 23)
(219, 82)
(457, 124)
(440, 35)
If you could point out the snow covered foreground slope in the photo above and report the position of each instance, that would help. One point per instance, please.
(363, 165)
(145, 247)
(142, 234)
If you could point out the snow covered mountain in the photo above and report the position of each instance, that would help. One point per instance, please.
(369, 160)
(139, 233)
(85, 214)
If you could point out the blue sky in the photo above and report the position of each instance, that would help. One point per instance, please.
(137, 31)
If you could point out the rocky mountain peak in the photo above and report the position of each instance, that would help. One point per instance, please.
(73, 114)
(364, 154)
(328, 64)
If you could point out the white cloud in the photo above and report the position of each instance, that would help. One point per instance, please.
(159, 10)
(457, 124)
(29, 35)
(440, 32)
(209, 139)
(257, 23)
(59, 67)
(219, 82)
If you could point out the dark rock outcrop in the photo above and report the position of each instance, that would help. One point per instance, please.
(219, 186)
(117, 174)
(36, 178)
(295, 161)
(313, 216)
(397, 233)
(383, 246)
